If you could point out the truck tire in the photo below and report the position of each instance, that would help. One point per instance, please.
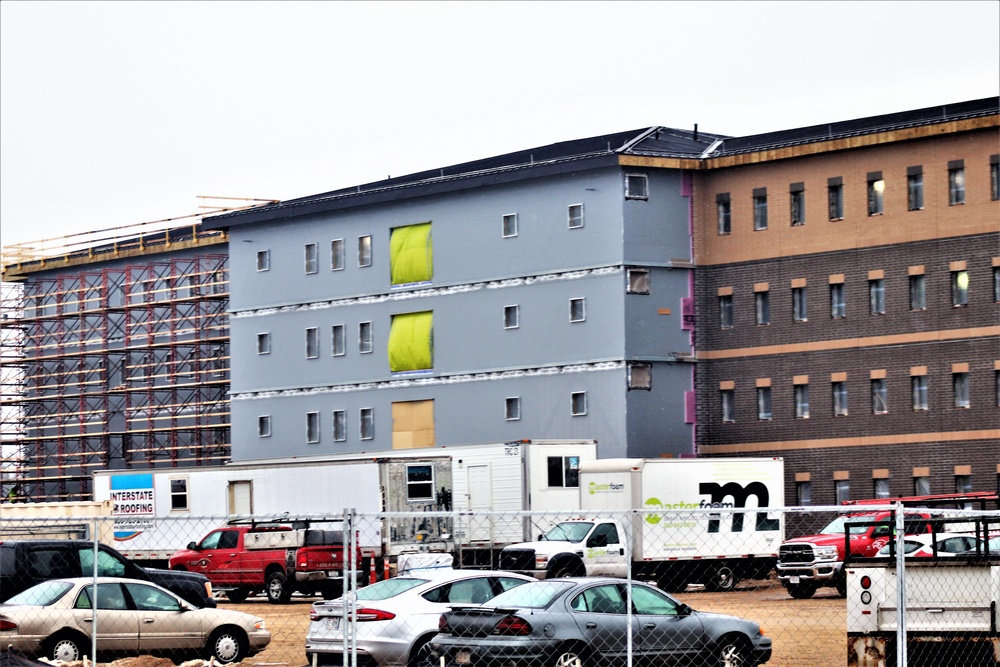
(842, 587)
(566, 568)
(277, 590)
(723, 578)
(802, 591)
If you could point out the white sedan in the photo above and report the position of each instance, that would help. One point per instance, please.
(55, 619)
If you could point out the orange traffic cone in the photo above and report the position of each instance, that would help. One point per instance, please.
(371, 575)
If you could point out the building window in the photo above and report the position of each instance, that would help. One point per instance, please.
(802, 401)
(881, 488)
(963, 483)
(876, 296)
(803, 493)
(759, 209)
(797, 193)
(638, 281)
(410, 344)
(960, 288)
(995, 177)
(575, 214)
(838, 307)
(839, 399)
(312, 427)
(563, 471)
(178, 494)
(880, 396)
(956, 182)
(339, 340)
(763, 403)
(996, 284)
(842, 490)
(726, 311)
(762, 307)
(264, 426)
(311, 258)
(636, 186)
(578, 403)
(364, 251)
(918, 388)
(918, 292)
(921, 486)
(420, 483)
(365, 337)
(800, 312)
(509, 225)
(835, 197)
(511, 317)
(312, 343)
(876, 189)
(411, 254)
(339, 425)
(367, 427)
(512, 408)
(263, 260)
(640, 376)
(337, 255)
(264, 343)
(728, 397)
(914, 188)
(723, 212)
(577, 310)
(960, 383)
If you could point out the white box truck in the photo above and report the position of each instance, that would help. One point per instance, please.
(159, 511)
(653, 519)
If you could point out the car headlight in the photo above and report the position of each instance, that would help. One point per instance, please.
(826, 553)
(541, 561)
(259, 624)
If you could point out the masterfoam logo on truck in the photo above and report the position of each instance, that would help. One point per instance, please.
(132, 505)
(717, 494)
(609, 487)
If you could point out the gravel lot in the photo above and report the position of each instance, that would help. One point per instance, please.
(806, 633)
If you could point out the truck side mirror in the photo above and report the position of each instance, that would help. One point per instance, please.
(193, 546)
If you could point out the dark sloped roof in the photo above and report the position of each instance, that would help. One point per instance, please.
(589, 153)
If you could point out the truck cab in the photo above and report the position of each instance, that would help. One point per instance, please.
(571, 548)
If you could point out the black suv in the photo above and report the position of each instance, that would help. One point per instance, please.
(24, 563)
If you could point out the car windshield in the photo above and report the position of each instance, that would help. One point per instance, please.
(858, 526)
(533, 595)
(42, 594)
(383, 590)
(909, 546)
(572, 531)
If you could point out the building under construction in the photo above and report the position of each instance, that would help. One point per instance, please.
(114, 354)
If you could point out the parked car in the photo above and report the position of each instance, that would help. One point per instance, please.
(55, 619)
(24, 563)
(992, 547)
(930, 545)
(581, 621)
(397, 617)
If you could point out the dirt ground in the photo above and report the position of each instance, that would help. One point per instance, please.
(805, 633)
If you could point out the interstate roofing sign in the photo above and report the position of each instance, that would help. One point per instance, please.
(132, 505)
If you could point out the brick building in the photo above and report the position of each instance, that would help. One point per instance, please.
(848, 284)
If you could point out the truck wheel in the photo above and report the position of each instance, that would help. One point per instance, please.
(723, 579)
(566, 569)
(842, 587)
(802, 591)
(237, 595)
(277, 591)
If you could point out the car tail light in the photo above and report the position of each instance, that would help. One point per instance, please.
(7, 625)
(366, 614)
(512, 625)
(443, 624)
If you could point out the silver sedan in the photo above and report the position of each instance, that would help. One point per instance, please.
(55, 619)
(397, 617)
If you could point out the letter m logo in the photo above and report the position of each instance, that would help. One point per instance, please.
(739, 493)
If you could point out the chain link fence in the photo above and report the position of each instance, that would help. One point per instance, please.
(804, 586)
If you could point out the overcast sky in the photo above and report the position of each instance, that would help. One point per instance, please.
(123, 112)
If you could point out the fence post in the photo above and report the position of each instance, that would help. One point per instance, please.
(900, 585)
(93, 600)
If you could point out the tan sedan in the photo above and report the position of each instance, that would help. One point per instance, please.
(56, 620)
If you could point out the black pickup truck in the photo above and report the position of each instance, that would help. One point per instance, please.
(24, 563)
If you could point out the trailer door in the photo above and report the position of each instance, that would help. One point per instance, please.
(241, 497)
(480, 490)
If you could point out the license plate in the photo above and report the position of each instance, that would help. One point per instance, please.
(463, 657)
(333, 623)
(793, 580)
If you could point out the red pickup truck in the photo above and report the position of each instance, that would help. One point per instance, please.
(806, 563)
(241, 560)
